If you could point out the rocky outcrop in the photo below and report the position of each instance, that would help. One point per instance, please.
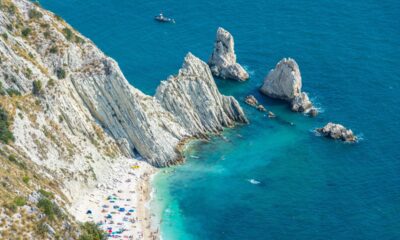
(337, 131)
(194, 100)
(284, 82)
(252, 101)
(223, 59)
(301, 103)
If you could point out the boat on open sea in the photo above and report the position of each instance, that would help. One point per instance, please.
(162, 18)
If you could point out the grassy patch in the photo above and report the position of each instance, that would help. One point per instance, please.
(26, 179)
(46, 194)
(19, 201)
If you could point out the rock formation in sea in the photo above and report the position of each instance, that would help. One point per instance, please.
(252, 101)
(337, 131)
(193, 98)
(223, 59)
(284, 82)
(74, 117)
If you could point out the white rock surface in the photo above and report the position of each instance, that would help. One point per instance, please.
(337, 131)
(92, 119)
(193, 98)
(301, 103)
(223, 59)
(284, 82)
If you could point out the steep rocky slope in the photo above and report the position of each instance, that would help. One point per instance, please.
(193, 97)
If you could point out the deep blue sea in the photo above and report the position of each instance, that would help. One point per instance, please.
(310, 187)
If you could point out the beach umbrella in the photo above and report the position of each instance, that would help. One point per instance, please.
(122, 209)
(89, 212)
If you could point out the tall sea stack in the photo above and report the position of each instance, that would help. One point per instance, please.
(223, 59)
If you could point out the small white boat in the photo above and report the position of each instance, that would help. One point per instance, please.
(161, 18)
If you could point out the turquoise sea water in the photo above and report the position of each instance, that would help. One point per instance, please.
(310, 187)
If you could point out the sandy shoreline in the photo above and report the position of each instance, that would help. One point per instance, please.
(144, 211)
(120, 202)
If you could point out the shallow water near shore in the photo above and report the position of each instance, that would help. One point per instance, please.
(271, 179)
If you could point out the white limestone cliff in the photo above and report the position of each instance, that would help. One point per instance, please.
(193, 98)
(284, 82)
(223, 59)
(87, 117)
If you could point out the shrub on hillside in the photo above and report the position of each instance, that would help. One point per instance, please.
(13, 92)
(6, 135)
(35, 14)
(37, 87)
(61, 74)
(26, 31)
(19, 201)
(90, 231)
(68, 33)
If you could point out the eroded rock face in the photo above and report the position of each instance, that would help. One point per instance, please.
(337, 131)
(223, 59)
(88, 91)
(301, 103)
(194, 100)
(284, 82)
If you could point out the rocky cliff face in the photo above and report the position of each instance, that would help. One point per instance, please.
(77, 113)
(223, 59)
(75, 117)
(284, 82)
(193, 98)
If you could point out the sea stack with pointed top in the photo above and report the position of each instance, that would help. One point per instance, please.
(194, 99)
(284, 82)
(223, 59)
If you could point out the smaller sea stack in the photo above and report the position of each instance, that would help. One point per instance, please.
(337, 131)
(284, 82)
(223, 59)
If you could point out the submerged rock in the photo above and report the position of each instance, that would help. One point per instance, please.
(337, 131)
(261, 108)
(313, 112)
(223, 59)
(284, 82)
(271, 114)
(252, 101)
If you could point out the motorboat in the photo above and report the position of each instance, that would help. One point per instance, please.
(163, 19)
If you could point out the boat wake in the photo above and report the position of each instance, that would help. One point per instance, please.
(253, 181)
